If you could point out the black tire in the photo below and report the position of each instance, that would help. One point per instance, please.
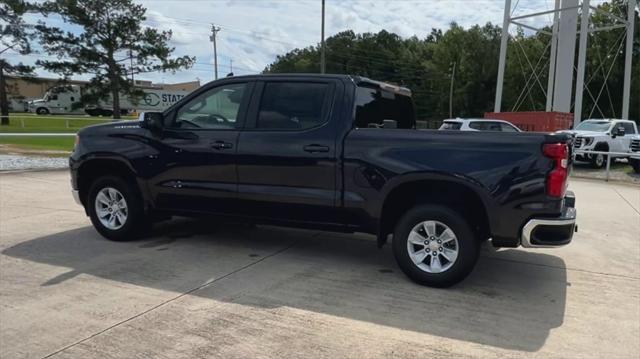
(136, 222)
(42, 111)
(468, 250)
(635, 164)
(599, 160)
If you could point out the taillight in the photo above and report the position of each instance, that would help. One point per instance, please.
(557, 178)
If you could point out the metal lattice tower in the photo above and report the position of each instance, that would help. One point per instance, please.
(562, 55)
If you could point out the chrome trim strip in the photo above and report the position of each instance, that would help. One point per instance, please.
(76, 196)
(525, 240)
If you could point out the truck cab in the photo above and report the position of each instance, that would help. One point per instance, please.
(58, 100)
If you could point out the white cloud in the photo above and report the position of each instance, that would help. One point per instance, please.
(254, 32)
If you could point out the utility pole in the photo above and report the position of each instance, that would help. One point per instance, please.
(231, 65)
(212, 38)
(453, 75)
(131, 65)
(322, 47)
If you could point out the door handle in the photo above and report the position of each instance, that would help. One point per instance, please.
(316, 148)
(221, 145)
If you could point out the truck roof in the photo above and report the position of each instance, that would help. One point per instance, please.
(607, 119)
(358, 80)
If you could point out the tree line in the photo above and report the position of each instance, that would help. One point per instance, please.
(427, 65)
(112, 44)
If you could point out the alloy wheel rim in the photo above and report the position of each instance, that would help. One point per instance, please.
(599, 160)
(111, 208)
(433, 246)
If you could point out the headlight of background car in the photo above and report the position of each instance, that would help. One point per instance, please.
(588, 141)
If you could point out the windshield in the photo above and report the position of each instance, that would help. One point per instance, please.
(595, 126)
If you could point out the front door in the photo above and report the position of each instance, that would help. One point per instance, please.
(287, 152)
(196, 160)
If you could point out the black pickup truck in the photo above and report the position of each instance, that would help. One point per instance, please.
(334, 152)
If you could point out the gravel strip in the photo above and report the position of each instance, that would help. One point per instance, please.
(17, 162)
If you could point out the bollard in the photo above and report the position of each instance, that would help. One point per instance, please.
(608, 166)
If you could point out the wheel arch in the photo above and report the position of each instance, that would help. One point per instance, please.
(453, 193)
(601, 145)
(94, 168)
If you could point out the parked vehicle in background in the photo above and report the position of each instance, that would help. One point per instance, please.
(334, 152)
(478, 124)
(606, 135)
(61, 100)
(634, 156)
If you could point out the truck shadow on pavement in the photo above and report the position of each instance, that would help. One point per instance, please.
(512, 299)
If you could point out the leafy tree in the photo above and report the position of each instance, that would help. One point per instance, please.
(113, 45)
(15, 36)
(425, 66)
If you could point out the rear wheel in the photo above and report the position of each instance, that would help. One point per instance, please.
(435, 246)
(115, 209)
(635, 163)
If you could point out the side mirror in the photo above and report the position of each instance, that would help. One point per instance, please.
(153, 121)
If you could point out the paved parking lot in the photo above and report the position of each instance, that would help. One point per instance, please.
(196, 290)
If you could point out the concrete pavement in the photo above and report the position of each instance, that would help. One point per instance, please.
(198, 289)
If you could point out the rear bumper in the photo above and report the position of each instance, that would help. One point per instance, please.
(551, 232)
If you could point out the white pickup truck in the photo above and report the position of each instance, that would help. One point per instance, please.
(607, 135)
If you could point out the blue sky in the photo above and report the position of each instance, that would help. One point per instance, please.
(254, 32)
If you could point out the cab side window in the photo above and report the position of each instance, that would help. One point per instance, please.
(217, 108)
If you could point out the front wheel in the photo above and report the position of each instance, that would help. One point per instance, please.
(116, 209)
(435, 246)
(598, 161)
(42, 111)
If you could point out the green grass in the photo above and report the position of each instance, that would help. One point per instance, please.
(40, 143)
(26, 122)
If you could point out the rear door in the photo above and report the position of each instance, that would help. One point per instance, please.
(287, 151)
(195, 168)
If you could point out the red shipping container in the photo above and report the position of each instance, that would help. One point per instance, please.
(536, 121)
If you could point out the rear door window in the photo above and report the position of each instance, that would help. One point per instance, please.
(378, 108)
(485, 126)
(478, 125)
(293, 105)
(507, 128)
(628, 128)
